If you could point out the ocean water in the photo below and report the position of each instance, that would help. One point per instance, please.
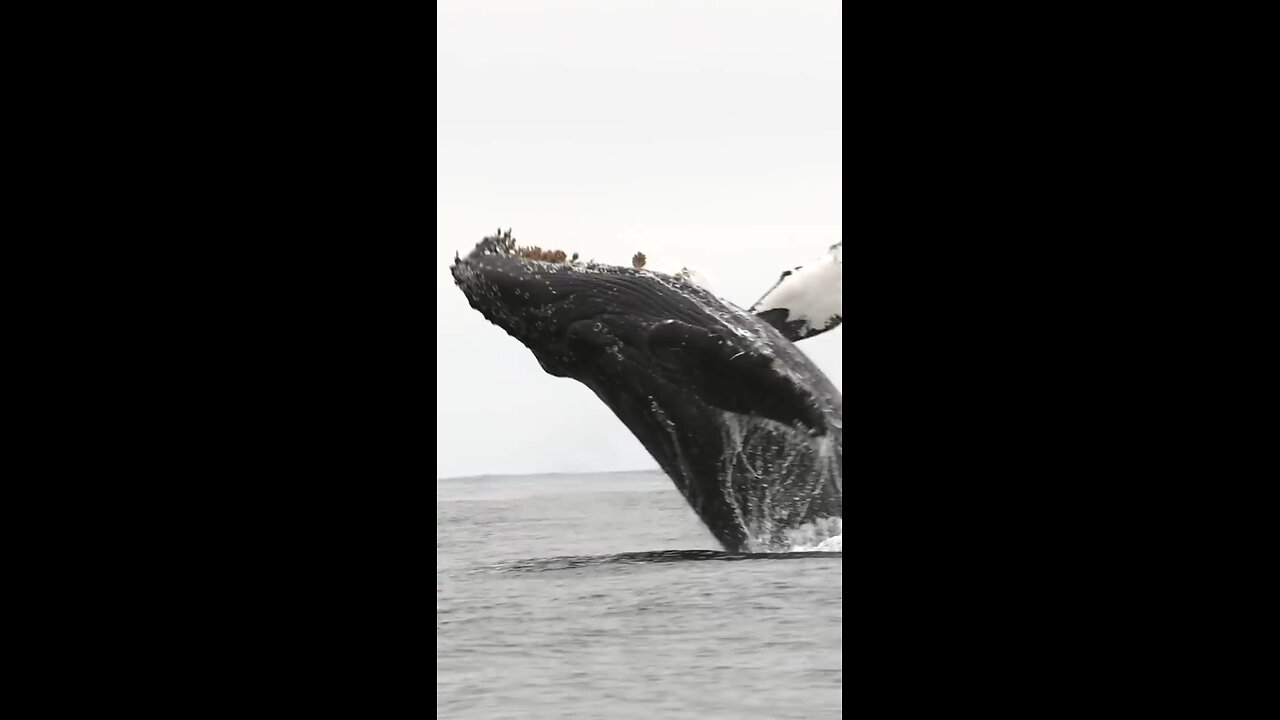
(603, 596)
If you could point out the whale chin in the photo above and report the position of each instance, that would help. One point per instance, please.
(747, 428)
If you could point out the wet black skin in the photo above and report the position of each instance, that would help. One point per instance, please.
(665, 357)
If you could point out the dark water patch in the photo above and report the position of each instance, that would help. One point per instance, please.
(569, 562)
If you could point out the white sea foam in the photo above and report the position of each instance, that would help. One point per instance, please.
(825, 535)
(835, 544)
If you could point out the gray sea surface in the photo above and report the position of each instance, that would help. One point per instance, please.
(604, 596)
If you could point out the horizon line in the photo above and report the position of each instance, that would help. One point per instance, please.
(537, 474)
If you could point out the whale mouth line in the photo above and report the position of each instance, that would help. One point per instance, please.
(652, 557)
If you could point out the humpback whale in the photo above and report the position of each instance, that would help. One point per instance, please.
(742, 422)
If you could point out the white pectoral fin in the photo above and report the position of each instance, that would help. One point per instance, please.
(807, 300)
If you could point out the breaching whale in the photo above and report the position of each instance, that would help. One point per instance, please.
(745, 425)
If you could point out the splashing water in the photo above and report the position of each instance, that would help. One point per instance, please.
(835, 544)
(822, 535)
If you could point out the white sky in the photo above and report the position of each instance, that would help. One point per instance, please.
(705, 133)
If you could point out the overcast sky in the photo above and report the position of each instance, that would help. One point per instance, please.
(704, 133)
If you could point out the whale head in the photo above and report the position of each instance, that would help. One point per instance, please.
(631, 333)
